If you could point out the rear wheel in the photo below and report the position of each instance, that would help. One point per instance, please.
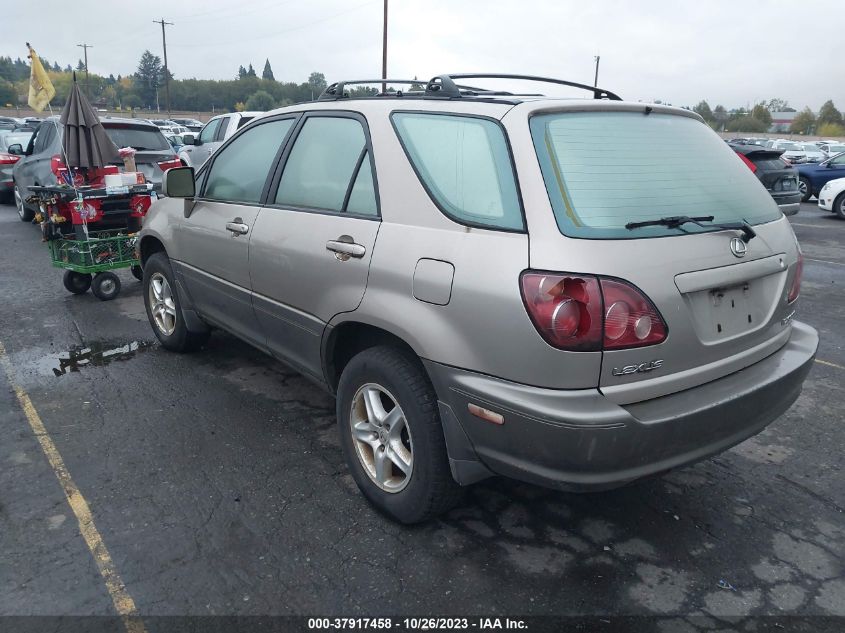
(137, 273)
(77, 283)
(805, 188)
(25, 214)
(392, 436)
(106, 286)
(163, 309)
(839, 205)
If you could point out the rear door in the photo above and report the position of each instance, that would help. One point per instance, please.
(213, 243)
(311, 248)
(724, 301)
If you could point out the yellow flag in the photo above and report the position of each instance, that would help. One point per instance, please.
(40, 87)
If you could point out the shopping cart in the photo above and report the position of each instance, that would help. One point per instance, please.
(89, 260)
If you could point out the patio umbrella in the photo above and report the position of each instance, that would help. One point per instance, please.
(86, 143)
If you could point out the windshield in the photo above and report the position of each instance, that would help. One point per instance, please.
(790, 147)
(809, 147)
(605, 169)
(139, 137)
(833, 149)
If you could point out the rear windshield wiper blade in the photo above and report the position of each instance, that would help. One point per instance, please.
(676, 221)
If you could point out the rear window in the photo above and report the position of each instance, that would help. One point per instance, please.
(137, 136)
(605, 169)
(769, 163)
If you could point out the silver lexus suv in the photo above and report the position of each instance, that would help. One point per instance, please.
(577, 293)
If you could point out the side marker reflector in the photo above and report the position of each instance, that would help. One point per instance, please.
(486, 414)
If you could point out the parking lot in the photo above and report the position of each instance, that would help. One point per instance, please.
(216, 486)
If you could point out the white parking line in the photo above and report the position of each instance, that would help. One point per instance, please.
(818, 226)
(824, 261)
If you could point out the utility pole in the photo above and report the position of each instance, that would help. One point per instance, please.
(85, 47)
(596, 81)
(384, 51)
(166, 72)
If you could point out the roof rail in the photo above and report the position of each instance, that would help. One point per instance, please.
(447, 86)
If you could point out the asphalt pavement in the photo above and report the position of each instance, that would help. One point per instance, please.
(214, 484)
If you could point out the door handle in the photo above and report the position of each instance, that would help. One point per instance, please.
(343, 249)
(237, 227)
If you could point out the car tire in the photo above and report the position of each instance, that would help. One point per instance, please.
(395, 378)
(137, 273)
(839, 205)
(77, 283)
(164, 310)
(105, 286)
(26, 214)
(806, 189)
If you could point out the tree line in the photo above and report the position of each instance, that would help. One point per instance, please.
(758, 119)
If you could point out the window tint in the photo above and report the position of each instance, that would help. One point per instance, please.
(322, 163)
(141, 137)
(362, 198)
(210, 129)
(465, 165)
(605, 169)
(224, 127)
(240, 169)
(244, 120)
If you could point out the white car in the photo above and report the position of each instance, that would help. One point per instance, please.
(813, 153)
(832, 148)
(792, 151)
(832, 197)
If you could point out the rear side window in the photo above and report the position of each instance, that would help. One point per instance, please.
(605, 169)
(240, 169)
(465, 165)
(244, 120)
(329, 168)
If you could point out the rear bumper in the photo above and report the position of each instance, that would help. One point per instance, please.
(578, 440)
(790, 208)
(789, 203)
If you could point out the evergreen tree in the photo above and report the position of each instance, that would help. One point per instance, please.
(148, 77)
(829, 114)
(241, 72)
(251, 71)
(267, 73)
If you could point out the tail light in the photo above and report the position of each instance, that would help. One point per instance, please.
(788, 163)
(748, 162)
(586, 313)
(795, 289)
(56, 165)
(8, 159)
(170, 164)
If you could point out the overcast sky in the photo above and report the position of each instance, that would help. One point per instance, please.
(733, 52)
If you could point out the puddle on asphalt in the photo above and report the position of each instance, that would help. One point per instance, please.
(97, 354)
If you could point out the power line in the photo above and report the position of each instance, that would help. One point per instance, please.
(85, 47)
(166, 71)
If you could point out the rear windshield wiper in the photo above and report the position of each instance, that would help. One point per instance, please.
(676, 221)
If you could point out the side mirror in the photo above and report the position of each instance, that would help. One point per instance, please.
(179, 183)
(188, 139)
(16, 149)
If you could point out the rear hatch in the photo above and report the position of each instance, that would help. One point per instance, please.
(723, 301)
(776, 175)
(153, 150)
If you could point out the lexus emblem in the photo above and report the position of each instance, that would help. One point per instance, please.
(738, 247)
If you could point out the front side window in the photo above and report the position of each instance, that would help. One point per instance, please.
(465, 165)
(605, 169)
(240, 169)
(328, 157)
(210, 129)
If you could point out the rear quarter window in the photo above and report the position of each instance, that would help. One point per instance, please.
(605, 169)
(465, 165)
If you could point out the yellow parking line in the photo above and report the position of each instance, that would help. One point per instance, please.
(123, 602)
(829, 364)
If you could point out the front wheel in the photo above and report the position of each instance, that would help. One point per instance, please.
(164, 310)
(392, 436)
(106, 286)
(25, 213)
(839, 205)
(805, 188)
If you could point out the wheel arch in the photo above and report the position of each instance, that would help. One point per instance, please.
(150, 244)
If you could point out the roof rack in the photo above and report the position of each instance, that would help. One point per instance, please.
(445, 87)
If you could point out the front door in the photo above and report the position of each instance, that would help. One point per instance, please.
(213, 243)
(311, 247)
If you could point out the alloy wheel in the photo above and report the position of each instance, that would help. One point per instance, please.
(19, 202)
(382, 438)
(162, 304)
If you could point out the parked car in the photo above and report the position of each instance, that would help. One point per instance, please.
(792, 151)
(778, 177)
(175, 141)
(43, 155)
(197, 149)
(192, 124)
(11, 149)
(812, 153)
(482, 294)
(830, 149)
(813, 176)
(832, 197)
